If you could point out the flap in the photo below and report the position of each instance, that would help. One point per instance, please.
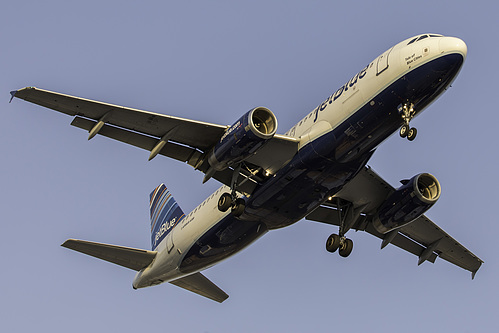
(135, 259)
(184, 139)
(276, 153)
(427, 233)
(196, 134)
(325, 214)
(422, 237)
(199, 284)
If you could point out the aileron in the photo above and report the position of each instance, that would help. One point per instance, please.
(272, 181)
(421, 237)
(182, 139)
(193, 133)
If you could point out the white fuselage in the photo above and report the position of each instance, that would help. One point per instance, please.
(341, 105)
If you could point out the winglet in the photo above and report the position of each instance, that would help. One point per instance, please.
(21, 93)
(473, 273)
(12, 94)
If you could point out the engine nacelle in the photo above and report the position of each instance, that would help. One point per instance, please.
(244, 138)
(407, 203)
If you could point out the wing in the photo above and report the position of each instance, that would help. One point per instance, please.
(182, 139)
(422, 237)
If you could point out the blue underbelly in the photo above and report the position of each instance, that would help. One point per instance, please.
(321, 168)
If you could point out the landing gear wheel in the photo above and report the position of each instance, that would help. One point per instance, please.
(411, 135)
(333, 243)
(346, 248)
(225, 202)
(404, 131)
(238, 207)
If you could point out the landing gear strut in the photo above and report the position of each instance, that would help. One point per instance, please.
(348, 216)
(407, 112)
(230, 200)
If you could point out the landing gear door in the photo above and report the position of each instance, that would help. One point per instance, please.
(382, 63)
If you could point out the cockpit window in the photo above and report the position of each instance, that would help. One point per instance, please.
(417, 39)
(412, 41)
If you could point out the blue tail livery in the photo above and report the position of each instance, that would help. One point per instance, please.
(165, 214)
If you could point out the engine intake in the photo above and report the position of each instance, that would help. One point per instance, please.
(244, 138)
(407, 203)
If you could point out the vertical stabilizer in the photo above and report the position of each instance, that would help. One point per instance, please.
(165, 214)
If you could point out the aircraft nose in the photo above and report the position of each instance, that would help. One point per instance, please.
(453, 45)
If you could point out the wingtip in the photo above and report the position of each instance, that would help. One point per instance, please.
(67, 242)
(12, 95)
(19, 93)
(473, 273)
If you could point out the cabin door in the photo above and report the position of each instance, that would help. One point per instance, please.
(382, 63)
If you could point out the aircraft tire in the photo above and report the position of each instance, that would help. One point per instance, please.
(411, 134)
(224, 202)
(333, 243)
(238, 207)
(404, 130)
(347, 248)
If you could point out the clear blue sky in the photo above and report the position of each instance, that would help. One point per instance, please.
(212, 61)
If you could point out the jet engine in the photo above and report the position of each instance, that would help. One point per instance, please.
(244, 138)
(407, 203)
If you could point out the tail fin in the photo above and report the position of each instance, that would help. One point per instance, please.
(165, 214)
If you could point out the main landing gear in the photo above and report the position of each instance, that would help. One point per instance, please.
(406, 131)
(227, 200)
(230, 200)
(335, 242)
(348, 217)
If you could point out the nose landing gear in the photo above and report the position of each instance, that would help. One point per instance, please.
(407, 112)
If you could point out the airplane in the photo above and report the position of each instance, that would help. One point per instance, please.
(317, 170)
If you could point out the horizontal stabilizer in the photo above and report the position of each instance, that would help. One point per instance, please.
(199, 284)
(135, 259)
